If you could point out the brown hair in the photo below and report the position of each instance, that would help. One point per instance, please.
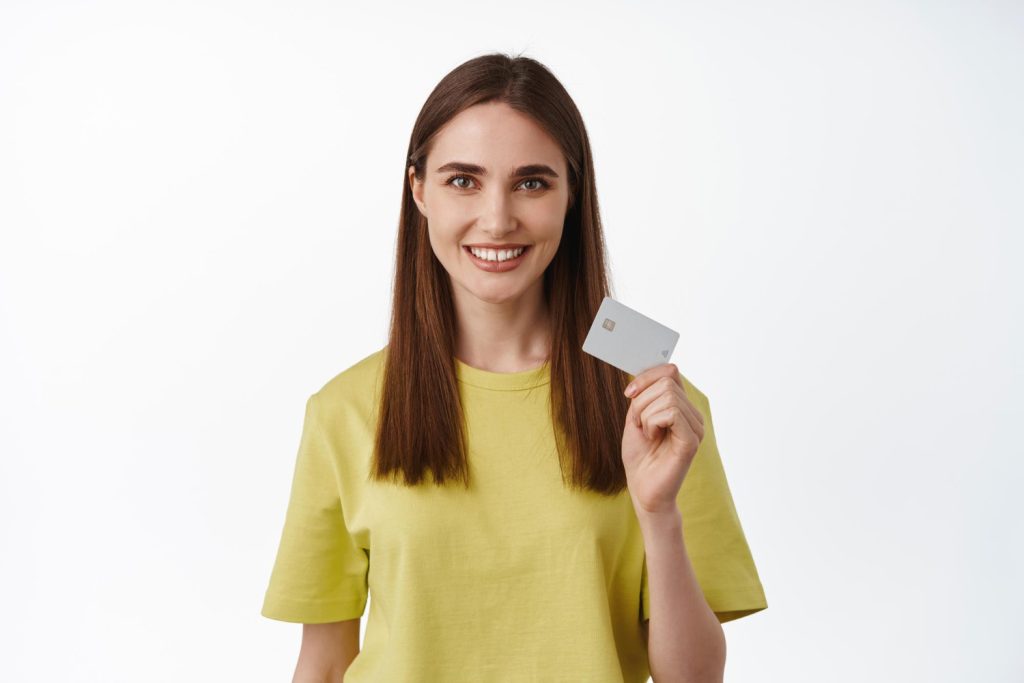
(420, 425)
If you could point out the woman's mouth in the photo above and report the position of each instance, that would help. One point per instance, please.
(497, 266)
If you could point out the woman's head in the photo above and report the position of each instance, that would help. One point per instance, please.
(492, 177)
(498, 113)
(489, 107)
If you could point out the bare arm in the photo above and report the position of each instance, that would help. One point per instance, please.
(326, 652)
(686, 642)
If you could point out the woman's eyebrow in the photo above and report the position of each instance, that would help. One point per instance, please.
(529, 169)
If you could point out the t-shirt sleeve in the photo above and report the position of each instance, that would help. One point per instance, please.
(712, 532)
(320, 573)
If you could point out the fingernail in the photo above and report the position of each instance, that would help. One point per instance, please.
(630, 389)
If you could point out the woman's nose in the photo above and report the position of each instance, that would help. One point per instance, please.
(496, 214)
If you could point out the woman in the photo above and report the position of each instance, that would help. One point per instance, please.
(516, 514)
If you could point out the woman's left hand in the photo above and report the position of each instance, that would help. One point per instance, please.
(662, 433)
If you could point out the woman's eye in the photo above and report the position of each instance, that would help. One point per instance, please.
(458, 177)
(543, 183)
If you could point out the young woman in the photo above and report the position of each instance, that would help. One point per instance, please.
(516, 511)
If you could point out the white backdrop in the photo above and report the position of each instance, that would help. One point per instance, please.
(198, 205)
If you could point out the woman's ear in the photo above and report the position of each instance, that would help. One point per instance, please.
(417, 190)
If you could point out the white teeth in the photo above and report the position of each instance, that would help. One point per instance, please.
(496, 255)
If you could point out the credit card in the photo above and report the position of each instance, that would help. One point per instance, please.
(628, 339)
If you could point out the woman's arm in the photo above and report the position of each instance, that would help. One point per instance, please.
(326, 652)
(686, 642)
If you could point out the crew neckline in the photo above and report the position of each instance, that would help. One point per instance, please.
(503, 381)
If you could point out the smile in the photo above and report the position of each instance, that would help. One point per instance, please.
(497, 265)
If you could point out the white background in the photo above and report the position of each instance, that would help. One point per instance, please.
(199, 203)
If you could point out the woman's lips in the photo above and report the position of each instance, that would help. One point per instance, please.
(497, 266)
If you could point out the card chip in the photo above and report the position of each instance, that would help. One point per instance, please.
(608, 324)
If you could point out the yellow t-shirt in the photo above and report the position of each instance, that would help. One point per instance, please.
(515, 579)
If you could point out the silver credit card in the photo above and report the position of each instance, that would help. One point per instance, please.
(628, 339)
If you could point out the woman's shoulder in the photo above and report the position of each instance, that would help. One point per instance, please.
(358, 382)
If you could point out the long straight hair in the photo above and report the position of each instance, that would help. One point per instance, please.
(420, 429)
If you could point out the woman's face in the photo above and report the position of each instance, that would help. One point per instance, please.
(498, 203)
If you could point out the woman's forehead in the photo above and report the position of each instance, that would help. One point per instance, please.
(497, 140)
